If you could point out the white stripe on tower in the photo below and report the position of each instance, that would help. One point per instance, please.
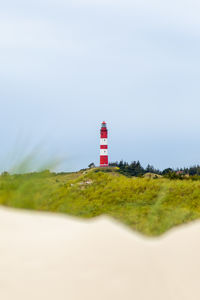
(103, 141)
(103, 151)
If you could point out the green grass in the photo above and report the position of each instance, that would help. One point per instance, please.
(150, 206)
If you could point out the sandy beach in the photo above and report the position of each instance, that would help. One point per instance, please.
(46, 256)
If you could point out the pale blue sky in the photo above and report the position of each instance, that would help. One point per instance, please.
(68, 65)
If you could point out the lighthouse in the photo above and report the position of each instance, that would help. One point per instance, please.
(103, 145)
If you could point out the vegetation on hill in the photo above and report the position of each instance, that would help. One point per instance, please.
(135, 169)
(150, 206)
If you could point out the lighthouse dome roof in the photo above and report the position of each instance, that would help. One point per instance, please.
(103, 125)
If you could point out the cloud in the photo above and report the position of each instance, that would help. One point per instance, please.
(24, 32)
(172, 14)
(136, 60)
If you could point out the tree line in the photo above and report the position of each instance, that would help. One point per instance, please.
(136, 169)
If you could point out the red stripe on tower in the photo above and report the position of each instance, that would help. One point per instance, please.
(103, 145)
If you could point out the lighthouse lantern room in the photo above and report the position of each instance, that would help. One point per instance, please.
(103, 145)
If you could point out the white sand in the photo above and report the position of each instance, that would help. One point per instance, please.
(53, 257)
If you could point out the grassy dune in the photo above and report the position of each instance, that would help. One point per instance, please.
(150, 206)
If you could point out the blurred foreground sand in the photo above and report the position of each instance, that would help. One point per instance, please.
(49, 257)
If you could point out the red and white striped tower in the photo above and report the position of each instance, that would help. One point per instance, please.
(104, 146)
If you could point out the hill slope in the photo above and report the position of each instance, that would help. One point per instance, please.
(151, 206)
